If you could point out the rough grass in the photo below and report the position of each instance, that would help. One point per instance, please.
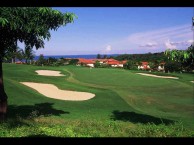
(53, 127)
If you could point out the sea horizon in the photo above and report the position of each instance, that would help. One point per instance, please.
(87, 56)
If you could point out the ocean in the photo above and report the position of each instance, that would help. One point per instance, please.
(91, 56)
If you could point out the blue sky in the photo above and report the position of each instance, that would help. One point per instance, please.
(115, 30)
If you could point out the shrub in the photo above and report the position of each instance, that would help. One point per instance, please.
(172, 66)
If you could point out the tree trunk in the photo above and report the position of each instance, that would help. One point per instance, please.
(3, 96)
(12, 61)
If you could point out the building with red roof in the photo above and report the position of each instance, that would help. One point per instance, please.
(144, 65)
(85, 62)
(111, 62)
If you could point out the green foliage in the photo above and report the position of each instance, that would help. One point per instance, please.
(150, 57)
(185, 57)
(49, 127)
(97, 64)
(28, 54)
(105, 56)
(73, 61)
(130, 65)
(172, 66)
(154, 65)
(30, 25)
(98, 56)
(41, 60)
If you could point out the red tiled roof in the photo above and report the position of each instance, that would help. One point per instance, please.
(86, 61)
(124, 61)
(162, 63)
(113, 63)
(144, 63)
(102, 60)
(111, 59)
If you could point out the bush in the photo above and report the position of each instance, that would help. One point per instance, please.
(130, 65)
(172, 66)
(97, 64)
(73, 61)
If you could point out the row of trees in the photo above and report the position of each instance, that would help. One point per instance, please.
(17, 53)
(175, 60)
(99, 56)
(161, 57)
(42, 61)
(169, 66)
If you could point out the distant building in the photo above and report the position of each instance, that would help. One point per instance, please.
(85, 62)
(161, 66)
(91, 62)
(144, 66)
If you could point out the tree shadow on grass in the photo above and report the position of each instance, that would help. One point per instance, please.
(17, 113)
(26, 111)
(139, 118)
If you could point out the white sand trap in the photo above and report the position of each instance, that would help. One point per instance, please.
(49, 73)
(51, 91)
(151, 75)
(192, 81)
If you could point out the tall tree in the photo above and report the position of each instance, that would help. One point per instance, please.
(98, 56)
(13, 53)
(28, 54)
(30, 25)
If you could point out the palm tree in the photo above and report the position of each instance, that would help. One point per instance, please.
(28, 54)
(13, 53)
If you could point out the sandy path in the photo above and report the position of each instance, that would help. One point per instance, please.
(51, 91)
(49, 73)
(151, 75)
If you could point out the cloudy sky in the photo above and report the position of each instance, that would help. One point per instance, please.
(107, 30)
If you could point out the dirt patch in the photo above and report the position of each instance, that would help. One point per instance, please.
(156, 76)
(49, 73)
(51, 91)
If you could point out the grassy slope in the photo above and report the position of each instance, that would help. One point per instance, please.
(100, 107)
(166, 98)
(120, 95)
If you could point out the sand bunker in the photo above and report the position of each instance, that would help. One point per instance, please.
(151, 75)
(192, 81)
(51, 91)
(49, 73)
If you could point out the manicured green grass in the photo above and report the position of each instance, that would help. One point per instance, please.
(100, 107)
(123, 98)
(166, 98)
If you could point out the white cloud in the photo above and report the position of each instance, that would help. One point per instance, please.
(160, 39)
(190, 41)
(149, 44)
(170, 45)
(108, 48)
(177, 37)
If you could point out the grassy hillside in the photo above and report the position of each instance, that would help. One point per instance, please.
(166, 98)
(125, 104)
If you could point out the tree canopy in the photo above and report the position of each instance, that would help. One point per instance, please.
(185, 57)
(30, 25)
